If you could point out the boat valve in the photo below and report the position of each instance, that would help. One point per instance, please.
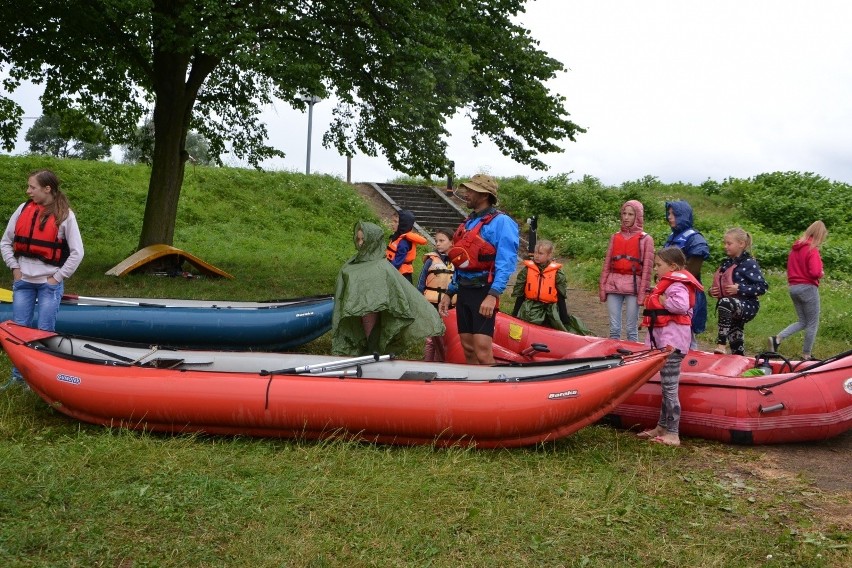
(772, 408)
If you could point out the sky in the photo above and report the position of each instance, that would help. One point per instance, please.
(683, 90)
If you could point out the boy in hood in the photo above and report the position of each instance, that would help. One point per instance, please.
(695, 249)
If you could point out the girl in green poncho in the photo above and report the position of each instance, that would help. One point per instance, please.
(376, 310)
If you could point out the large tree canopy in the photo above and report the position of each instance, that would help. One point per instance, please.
(400, 69)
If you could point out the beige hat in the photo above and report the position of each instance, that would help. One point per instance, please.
(481, 183)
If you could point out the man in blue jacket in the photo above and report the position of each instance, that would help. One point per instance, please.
(485, 255)
(696, 250)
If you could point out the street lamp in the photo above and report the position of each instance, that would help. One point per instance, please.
(311, 100)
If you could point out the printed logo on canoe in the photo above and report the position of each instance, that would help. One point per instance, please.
(847, 386)
(68, 379)
(563, 394)
(304, 314)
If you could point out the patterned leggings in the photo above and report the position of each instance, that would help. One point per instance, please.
(733, 315)
(669, 379)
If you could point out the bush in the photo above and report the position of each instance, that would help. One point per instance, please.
(787, 202)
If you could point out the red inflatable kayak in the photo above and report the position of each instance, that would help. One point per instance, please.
(794, 402)
(374, 398)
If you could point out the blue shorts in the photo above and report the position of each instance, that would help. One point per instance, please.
(468, 318)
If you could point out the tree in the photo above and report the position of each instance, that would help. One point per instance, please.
(140, 148)
(52, 135)
(400, 69)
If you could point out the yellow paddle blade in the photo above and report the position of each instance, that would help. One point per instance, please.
(5, 295)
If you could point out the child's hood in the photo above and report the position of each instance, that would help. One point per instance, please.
(682, 214)
(639, 223)
(373, 247)
(406, 223)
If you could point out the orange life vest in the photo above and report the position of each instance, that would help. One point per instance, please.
(38, 239)
(470, 251)
(655, 315)
(414, 239)
(541, 285)
(627, 254)
(438, 278)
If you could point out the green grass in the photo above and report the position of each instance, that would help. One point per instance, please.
(78, 495)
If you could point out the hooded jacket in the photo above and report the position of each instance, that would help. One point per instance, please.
(367, 283)
(804, 264)
(687, 238)
(612, 282)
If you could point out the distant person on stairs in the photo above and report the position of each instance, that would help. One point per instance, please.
(42, 247)
(402, 248)
(485, 254)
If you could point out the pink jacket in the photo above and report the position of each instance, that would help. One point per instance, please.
(804, 265)
(615, 283)
(677, 335)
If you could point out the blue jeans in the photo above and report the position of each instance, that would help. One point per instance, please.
(614, 303)
(24, 305)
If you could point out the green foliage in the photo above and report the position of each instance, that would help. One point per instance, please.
(140, 149)
(790, 201)
(69, 135)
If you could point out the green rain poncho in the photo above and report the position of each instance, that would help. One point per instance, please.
(368, 283)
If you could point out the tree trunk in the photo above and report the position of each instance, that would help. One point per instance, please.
(168, 165)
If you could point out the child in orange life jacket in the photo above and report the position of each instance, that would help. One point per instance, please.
(402, 248)
(737, 284)
(668, 317)
(540, 289)
(434, 281)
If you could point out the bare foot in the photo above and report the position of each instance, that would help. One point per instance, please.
(653, 433)
(667, 439)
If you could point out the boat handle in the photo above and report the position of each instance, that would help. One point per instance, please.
(772, 408)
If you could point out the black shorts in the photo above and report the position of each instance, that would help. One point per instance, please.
(468, 318)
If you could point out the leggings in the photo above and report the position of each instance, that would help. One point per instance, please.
(669, 379)
(734, 313)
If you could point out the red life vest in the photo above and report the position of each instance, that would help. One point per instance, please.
(438, 278)
(627, 253)
(414, 239)
(721, 280)
(39, 240)
(655, 315)
(541, 285)
(470, 251)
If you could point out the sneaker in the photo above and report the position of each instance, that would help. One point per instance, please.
(774, 343)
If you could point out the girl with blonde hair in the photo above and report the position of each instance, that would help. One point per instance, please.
(804, 271)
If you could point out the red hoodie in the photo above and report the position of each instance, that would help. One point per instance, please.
(804, 265)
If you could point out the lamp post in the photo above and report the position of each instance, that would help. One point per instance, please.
(311, 100)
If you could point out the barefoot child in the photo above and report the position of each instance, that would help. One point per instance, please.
(434, 280)
(540, 289)
(668, 317)
(736, 284)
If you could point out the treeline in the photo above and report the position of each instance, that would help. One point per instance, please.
(774, 207)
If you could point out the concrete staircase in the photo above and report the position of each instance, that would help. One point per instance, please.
(432, 208)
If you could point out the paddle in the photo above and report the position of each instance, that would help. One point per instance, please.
(75, 297)
(6, 296)
(325, 367)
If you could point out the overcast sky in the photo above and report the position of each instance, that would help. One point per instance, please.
(684, 90)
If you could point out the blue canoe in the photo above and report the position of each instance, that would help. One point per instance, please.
(263, 326)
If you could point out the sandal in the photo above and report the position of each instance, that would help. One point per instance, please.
(665, 442)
